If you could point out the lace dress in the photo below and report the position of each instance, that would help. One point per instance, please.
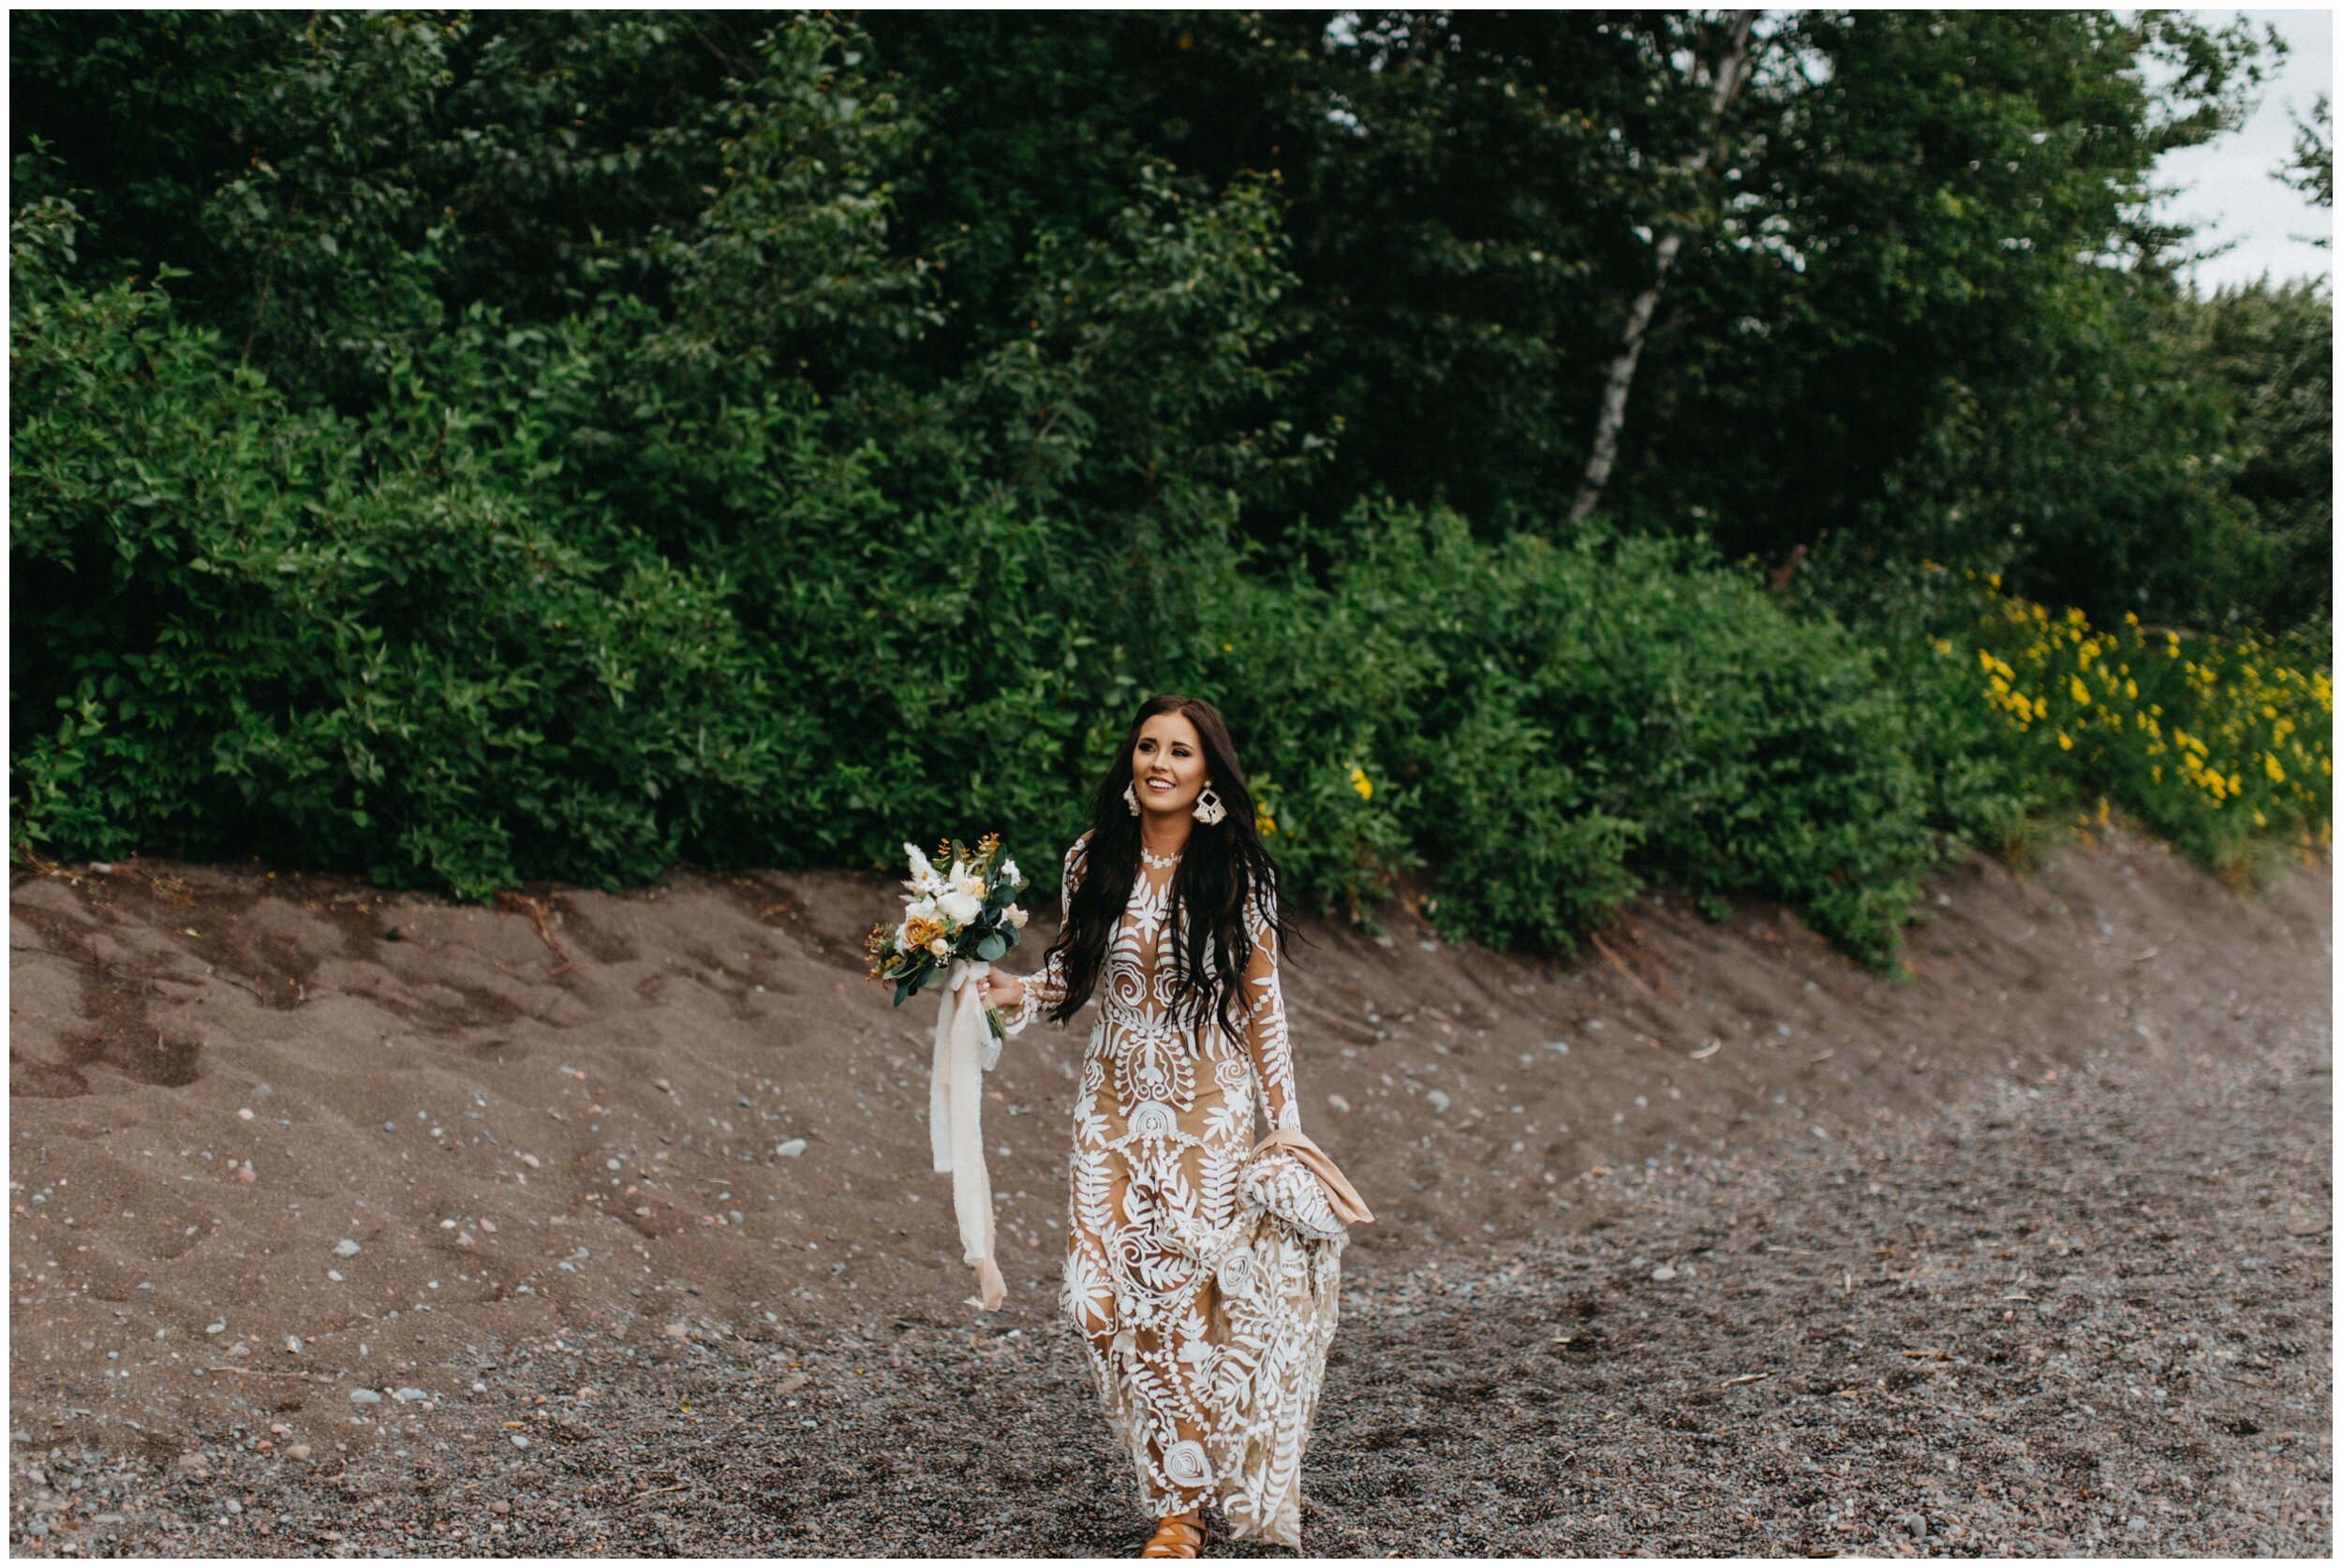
(1205, 1394)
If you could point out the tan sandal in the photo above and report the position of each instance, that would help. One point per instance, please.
(1176, 1535)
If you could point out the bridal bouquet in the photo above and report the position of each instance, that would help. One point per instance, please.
(966, 914)
(956, 923)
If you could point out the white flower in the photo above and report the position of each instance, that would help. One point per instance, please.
(919, 909)
(1009, 873)
(941, 948)
(1017, 915)
(959, 906)
(965, 881)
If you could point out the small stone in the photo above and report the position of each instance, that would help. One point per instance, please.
(389, 1127)
(790, 1150)
(245, 1174)
(244, 1113)
(345, 1248)
(1663, 1273)
(1337, 1102)
(1439, 1102)
(298, 1451)
(103, 867)
(499, 1507)
(662, 1085)
(409, 1396)
(1559, 1047)
(335, 1275)
(364, 1397)
(220, 1327)
(532, 1162)
(292, 1344)
(232, 1506)
(519, 1441)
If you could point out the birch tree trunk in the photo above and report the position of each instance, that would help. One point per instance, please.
(1611, 418)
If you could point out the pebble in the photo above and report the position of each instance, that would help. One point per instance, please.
(409, 1396)
(1338, 1101)
(1663, 1273)
(244, 1113)
(662, 1085)
(1439, 1101)
(499, 1507)
(790, 1150)
(220, 1327)
(345, 1248)
(364, 1397)
(298, 1451)
(532, 1162)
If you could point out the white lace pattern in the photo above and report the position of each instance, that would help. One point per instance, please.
(1196, 1384)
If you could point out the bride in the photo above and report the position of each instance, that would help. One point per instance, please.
(1203, 1271)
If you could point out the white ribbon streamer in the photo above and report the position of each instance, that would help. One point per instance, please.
(963, 1050)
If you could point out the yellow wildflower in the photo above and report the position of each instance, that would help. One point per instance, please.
(1359, 782)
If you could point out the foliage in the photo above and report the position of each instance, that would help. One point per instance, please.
(1536, 721)
(473, 445)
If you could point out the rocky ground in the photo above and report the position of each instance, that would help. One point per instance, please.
(1708, 1243)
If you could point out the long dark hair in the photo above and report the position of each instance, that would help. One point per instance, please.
(1223, 867)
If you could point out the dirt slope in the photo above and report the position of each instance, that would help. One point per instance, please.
(573, 1157)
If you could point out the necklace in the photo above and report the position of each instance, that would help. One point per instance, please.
(1162, 863)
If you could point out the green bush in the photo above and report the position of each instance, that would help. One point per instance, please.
(1542, 724)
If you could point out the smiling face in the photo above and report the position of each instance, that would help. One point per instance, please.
(1168, 765)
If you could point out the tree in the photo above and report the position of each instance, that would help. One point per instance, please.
(1727, 74)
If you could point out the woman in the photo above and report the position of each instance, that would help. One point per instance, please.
(1206, 1323)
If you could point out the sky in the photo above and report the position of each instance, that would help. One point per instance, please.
(2227, 191)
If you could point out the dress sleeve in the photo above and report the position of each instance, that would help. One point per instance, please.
(1045, 988)
(1265, 1036)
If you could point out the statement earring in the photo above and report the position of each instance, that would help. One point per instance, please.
(1130, 798)
(1208, 808)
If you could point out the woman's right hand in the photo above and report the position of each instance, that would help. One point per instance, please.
(1003, 990)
